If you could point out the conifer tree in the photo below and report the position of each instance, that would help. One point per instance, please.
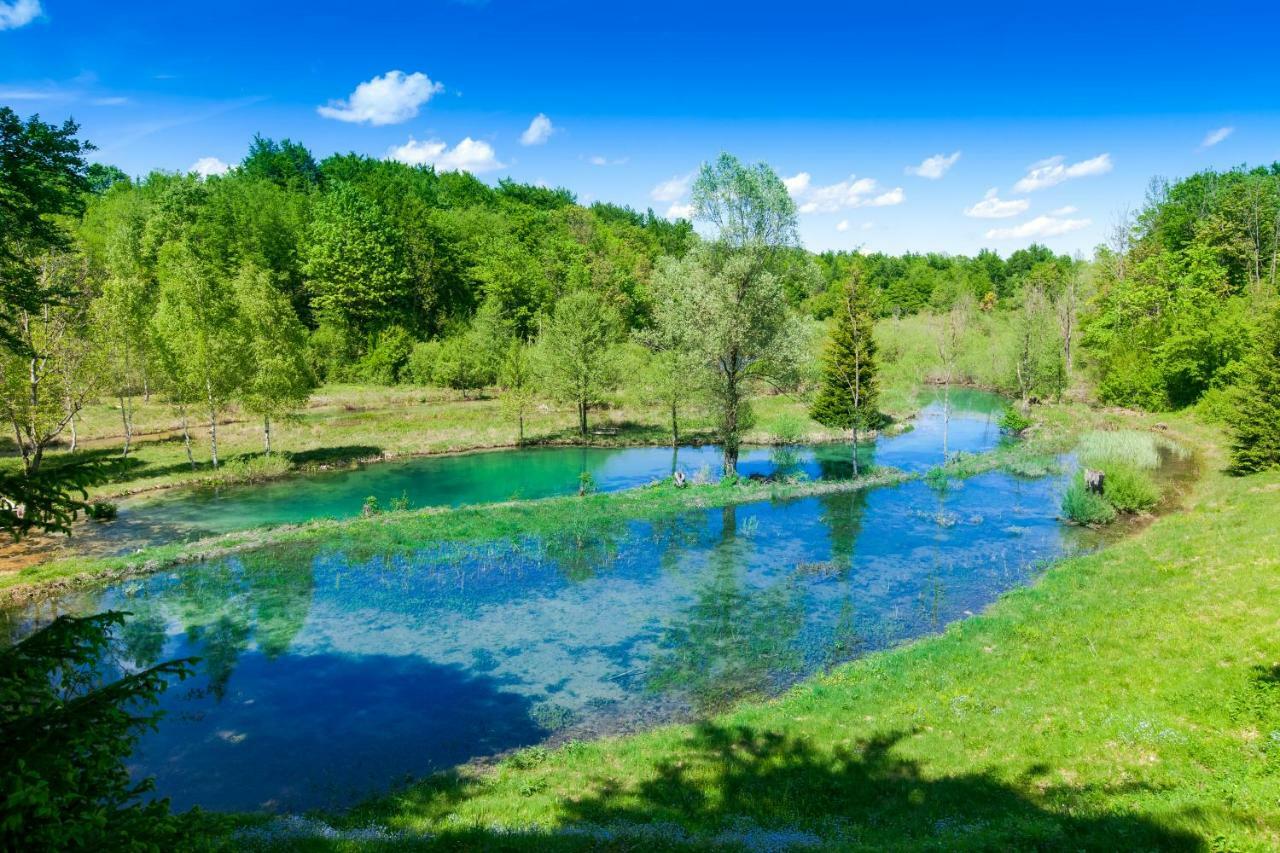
(849, 392)
(1255, 444)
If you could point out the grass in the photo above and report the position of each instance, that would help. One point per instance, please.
(1126, 458)
(1128, 700)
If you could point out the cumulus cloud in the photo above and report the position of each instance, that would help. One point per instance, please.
(934, 167)
(1064, 211)
(680, 211)
(842, 225)
(206, 166)
(854, 192)
(994, 207)
(672, 188)
(18, 13)
(538, 132)
(797, 184)
(1041, 226)
(390, 99)
(1213, 137)
(1055, 170)
(469, 155)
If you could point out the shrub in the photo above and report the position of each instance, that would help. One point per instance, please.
(1085, 507)
(422, 360)
(100, 510)
(66, 737)
(1128, 488)
(1014, 421)
(385, 360)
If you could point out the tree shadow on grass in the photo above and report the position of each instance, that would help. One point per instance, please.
(740, 788)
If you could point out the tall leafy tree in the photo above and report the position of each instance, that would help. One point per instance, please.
(578, 351)
(849, 393)
(1255, 431)
(728, 291)
(354, 263)
(278, 378)
(200, 323)
(517, 382)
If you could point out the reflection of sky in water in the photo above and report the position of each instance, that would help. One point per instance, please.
(532, 473)
(328, 675)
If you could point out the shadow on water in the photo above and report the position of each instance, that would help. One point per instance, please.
(743, 788)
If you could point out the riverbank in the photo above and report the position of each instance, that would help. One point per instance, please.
(345, 425)
(1127, 700)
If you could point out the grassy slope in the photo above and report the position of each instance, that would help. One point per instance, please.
(1129, 700)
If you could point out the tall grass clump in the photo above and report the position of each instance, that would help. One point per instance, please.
(1130, 446)
(1128, 488)
(1085, 507)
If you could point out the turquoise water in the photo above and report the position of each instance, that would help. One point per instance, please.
(472, 478)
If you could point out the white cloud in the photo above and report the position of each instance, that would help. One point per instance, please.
(680, 211)
(934, 167)
(598, 160)
(1213, 137)
(1064, 211)
(206, 166)
(1053, 171)
(1041, 226)
(538, 132)
(797, 184)
(390, 99)
(672, 188)
(842, 225)
(18, 13)
(855, 192)
(469, 155)
(994, 207)
(113, 101)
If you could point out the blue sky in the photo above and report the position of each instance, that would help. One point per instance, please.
(1065, 110)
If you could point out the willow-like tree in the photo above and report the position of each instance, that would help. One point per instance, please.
(516, 381)
(850, 389)
(1255, 441)
(727, 295)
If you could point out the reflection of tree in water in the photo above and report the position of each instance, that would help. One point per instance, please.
(262, 597)
(833, 465)
(734, 641)
(674, 535)
(842, 515)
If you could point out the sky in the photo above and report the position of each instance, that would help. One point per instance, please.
(897, 126)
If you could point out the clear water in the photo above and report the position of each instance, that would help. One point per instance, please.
(327, 675)
(473, 478)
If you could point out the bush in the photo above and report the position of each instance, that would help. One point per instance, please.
(1128, 488)
(1085, 507)
(422, 361)
(251, 469)
(66, 737)
(388, 356)
(462, 365)
(1014, 422)
(100, 510)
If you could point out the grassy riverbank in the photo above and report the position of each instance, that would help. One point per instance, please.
(343, 424)
(1129, 700)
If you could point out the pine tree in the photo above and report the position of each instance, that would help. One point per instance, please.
(849, 391)
(1255, 444)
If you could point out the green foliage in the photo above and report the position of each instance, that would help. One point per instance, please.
(848, 396)
(1255, 429)
(384, 363)
(1085, 507)
(1014, 422)
(100, 510)
(49, 499)
(67, 734)
(461, 365)
(1128, 488)
(279, 377)
(577, 351)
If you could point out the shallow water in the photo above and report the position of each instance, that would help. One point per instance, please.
(472, 478)
(327, 675)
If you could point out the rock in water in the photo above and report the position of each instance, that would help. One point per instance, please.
(1093, 480)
